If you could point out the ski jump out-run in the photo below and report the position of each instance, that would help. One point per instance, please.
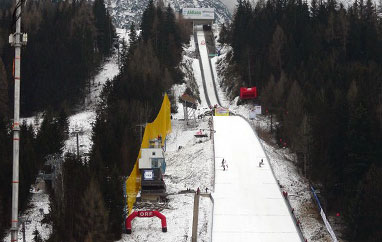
(248, 203)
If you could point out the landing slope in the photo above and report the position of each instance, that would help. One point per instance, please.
(248, 202)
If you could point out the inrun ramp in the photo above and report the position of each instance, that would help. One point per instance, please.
(206, 67)
(248, 203)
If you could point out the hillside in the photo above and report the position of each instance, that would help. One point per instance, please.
(125, 12)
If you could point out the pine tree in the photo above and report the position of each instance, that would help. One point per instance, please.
(224, 35)
(133, 41)
(148, 21)
(37, 236)
(93, 219)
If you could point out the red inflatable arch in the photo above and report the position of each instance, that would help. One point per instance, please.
(145, 214)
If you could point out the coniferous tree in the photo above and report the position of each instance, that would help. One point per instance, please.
(147, 21)
(37, 236)
(93, 220)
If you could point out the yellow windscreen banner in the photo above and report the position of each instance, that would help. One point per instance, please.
(160, 127)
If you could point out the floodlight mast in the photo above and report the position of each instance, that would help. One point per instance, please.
(16, 41)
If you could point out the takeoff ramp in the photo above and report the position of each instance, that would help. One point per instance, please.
(206, 68)
(248, 203)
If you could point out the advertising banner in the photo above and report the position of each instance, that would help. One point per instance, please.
(256, 110)
(160, 127)
(198, 13)
(221, 111)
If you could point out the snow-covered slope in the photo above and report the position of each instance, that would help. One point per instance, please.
(248, 202)
(206, 68)
(125, 12)
(81, 122)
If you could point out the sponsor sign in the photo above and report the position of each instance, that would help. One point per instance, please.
(198, 13)
(148, 175)
(221, 111)
(256, 110)
(145, 214)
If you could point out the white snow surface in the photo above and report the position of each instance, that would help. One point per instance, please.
(39, 206)
(248, 203)
(206, 67)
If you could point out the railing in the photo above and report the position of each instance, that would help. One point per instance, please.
(212, 135)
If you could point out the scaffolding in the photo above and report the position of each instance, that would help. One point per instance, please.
(190, 105)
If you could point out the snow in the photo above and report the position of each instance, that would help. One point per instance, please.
(33, 217)
(206, 67)
(248, 204)
(188, 167)
(260, 212)
(81, 122)
(198, 77)
(299, 192)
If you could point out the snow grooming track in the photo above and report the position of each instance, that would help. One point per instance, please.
(214, 80)
(201, 73)
(248, 203)
(210, 88)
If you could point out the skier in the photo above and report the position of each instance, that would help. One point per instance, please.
(223, 164)
(261, 163)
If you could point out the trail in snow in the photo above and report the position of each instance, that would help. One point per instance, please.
(199, 81)
(197, 73)
(206, 67)
(82, 122)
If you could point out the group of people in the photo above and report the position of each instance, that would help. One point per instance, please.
(225, 164)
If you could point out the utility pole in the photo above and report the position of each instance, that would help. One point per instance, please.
(77, 131)
(17, 39)
(195, 217)
(78, 147)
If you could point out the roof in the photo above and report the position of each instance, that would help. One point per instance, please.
(187, 98)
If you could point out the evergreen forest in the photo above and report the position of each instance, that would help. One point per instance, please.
(87, 203)
(318, 70)
(67, 42)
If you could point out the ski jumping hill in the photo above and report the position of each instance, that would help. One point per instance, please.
(206, 69)
(248, 202)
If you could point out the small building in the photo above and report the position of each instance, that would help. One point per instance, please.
(152, 158)
(152, 166)
(199, 16)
